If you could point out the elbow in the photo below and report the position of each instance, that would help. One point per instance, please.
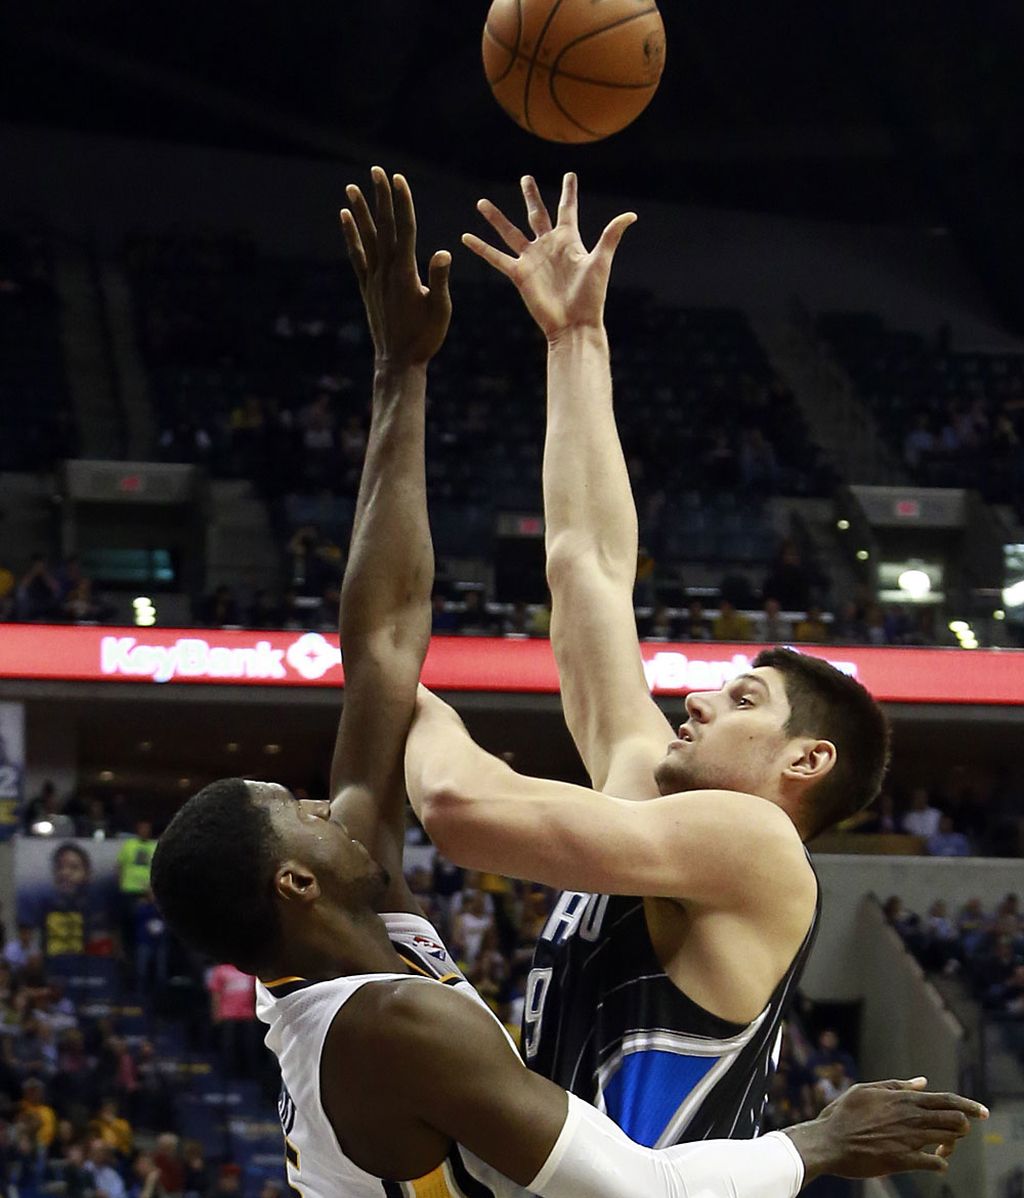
(443, 813)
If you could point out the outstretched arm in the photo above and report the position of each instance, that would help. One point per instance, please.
(715, 848)
(590, 516)
(385, 597)
(451, 1070)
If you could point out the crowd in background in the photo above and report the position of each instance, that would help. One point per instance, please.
(94, 1085)
(984, 946)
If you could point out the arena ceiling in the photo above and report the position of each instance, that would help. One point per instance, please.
(861, 109)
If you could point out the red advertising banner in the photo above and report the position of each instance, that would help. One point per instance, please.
(227, 657)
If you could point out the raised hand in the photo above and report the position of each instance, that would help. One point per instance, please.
(885, 1127)
(562, 283)
(408, 321)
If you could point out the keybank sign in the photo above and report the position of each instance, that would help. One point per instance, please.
(310, 656)
(673, 671)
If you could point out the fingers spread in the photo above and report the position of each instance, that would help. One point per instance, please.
(405, 219)
(514, 238)
(568, 205)
(364, 224)
(540, 221)
(384, 212)
(354, 245)
(612, 235)
(496, 258)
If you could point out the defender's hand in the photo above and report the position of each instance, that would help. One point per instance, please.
(408, 321)
(885, 1127)
(562, 284)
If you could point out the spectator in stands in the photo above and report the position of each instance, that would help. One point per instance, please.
(263, 612)
(774, 629)
(233, 1012)
(38, 594)
(540, 621)
(443, 622)
(789, 580)
(146, 1178)
(229, 1182)
(730, 624)
(695, 625)
(46, 812)
(474, 619)
(37, 1111)
(7, 584)
(167, 1160)
(812, 629)
(100, 1165)
(517, 621)
(134, 858)
(18, 952)
(219, 609)
(470, 926)
(197, 1172)
(922, 819)
(152, 943)
(659, 625)
(947, 841)
(112, 1128)
(96, 823)
(919, 442)
(829, 1052)
(848, 626)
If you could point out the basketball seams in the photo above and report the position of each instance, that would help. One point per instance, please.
(552, 12)
(554, 72)
(511, 51)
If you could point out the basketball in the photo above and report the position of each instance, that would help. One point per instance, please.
(573, 70)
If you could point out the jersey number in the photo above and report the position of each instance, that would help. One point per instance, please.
(533, 1008)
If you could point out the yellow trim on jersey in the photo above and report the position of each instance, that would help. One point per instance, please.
(434, 1184)
(419, 969)
(282, 981)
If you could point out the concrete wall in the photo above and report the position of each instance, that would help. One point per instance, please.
(105, 186)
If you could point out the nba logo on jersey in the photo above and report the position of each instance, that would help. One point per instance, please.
(433, 948)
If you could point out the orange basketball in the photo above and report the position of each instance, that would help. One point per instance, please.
(574, 70)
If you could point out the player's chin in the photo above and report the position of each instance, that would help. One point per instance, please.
(670, 775)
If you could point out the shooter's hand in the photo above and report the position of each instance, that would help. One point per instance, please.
(562, 284)
(408, 321)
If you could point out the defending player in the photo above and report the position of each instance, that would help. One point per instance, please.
(703, 907)
(390, 1061)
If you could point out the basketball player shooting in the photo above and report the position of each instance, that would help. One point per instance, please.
(397, 1078)
(661, 981)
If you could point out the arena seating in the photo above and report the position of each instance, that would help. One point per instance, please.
(34, 414)
(955, 416)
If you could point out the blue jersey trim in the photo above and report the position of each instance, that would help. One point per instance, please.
(648, 1089)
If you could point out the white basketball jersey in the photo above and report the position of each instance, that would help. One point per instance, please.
(299, 1015)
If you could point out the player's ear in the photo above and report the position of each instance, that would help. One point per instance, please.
(810, 760)
(296, 883)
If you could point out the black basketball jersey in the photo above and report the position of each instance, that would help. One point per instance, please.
(603, 1020)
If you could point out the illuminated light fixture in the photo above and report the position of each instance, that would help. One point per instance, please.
(959, 627)
(999, 614)
(1013, 596)
(184, 783)
(42, 828)
(916, 583)
(968, 642)
(144, 612)
(145, 745)
(842, 525)
(271, 749)
(232, 746)
(106, 775)
(862, 555)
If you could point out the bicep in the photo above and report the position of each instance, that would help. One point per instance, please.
(455, 1070)
(605, 694)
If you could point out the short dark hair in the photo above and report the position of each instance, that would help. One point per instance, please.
(70, 849)
(213, 873)
(829, 704)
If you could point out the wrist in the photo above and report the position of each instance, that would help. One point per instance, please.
(811, 1142)
(577, 335)
(387, 366)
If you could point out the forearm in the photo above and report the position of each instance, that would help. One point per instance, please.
(391, 559)
(592, 1156)
(588, 502)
